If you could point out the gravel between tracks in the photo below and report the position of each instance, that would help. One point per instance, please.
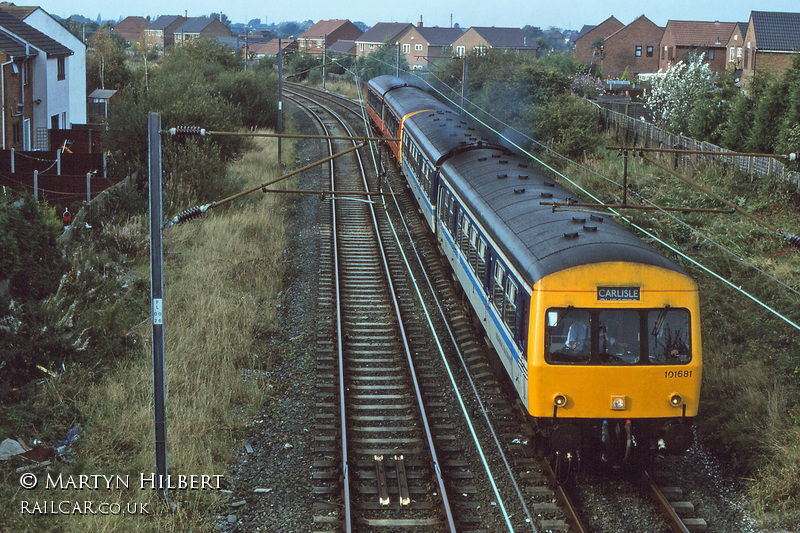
(273, 474)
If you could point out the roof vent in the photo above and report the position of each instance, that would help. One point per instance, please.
(590, 228)
(573, 235)
(523, 176)
(578, 220)
(597, 218)
(519, 191)
(502, 176)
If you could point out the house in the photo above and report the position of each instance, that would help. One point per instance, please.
(380, 33)
(197, 27)
(270, 48)
(588, 46)
(633, 47)
(684, 37)
(736, 46)
(342, 47)
(34, 85)
(56, 100)
(480, 39)
(132, 28)
(771, 43)
(421, 45)
(161, 33)
(326, 32)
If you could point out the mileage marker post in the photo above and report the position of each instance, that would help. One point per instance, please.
(157, 299)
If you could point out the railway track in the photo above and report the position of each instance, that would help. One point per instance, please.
(391, 481)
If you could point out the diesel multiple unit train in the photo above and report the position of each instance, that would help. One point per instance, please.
(598, 333)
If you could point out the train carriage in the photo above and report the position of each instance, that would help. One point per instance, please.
(599, 333)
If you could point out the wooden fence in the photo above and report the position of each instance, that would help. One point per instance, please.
(638, 132)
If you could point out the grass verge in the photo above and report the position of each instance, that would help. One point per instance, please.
(223, 275)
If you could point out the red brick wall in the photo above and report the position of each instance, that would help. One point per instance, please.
(620, 49)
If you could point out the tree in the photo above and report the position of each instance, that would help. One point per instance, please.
(105, 63)
(673, 96)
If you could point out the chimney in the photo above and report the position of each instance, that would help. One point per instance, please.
(419, 25)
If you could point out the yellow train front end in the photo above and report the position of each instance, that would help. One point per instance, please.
(615, 361)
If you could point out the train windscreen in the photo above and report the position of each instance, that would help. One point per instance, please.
(618, 336)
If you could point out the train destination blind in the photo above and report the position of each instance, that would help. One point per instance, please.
(605, 294)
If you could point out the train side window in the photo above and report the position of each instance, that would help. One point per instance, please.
(480, 266)
(510, 305)
(497, 289)
(451, 213)
(473, 246)
(668, 332)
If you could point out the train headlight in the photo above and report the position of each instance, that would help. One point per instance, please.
(560, 400)
(618, 403)
(675, 400)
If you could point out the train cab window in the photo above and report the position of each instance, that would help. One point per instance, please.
(510, 306)
(618, 339)
(617, 336)
(668, 336)
(568, 336)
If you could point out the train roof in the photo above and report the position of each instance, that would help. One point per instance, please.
(505, 194)
(404, 96)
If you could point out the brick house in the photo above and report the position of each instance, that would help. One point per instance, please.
(480, 39)
(132, 28)
(197, 27)
(380, 33)
(270, 48)
(736, 47)
(771, 43)
(422, 45)
(634, 47)
(161, 33)
(684, 37)
(325, 33)
(588, 46)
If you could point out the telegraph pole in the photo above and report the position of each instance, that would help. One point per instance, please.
(157, 303)
(280, 97)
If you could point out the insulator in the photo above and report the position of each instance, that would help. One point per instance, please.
(188, 214)
(188, 130)
(794, 240)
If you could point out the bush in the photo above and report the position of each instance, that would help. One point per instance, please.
(569, 125)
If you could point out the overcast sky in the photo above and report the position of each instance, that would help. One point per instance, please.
(568, 14)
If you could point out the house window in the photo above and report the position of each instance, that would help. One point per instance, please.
(732, 53)
(669, 53)
(480, 50)
(649, 50)
(711, 54)
(664, 53)
(360, 47)
(406, 48)
(62, 68)
(638, 52)
(371, 46)
(17, 132)
(460, 50)
(418, 47)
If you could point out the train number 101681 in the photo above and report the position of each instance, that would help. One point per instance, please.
(677, 373)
